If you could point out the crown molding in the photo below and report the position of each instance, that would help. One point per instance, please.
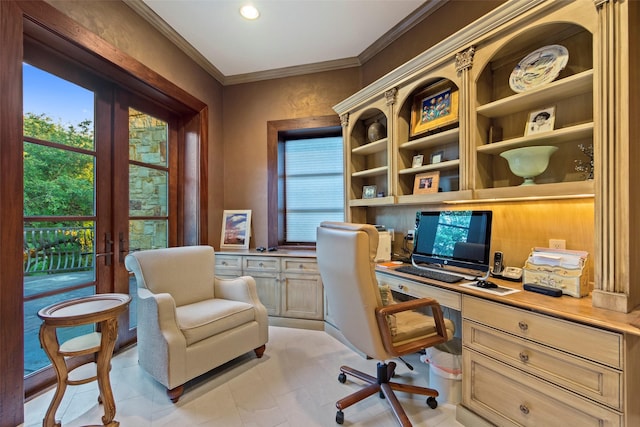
(444, 49)
(140, 7)
(144, 11)
(297, 70)
(417, 16)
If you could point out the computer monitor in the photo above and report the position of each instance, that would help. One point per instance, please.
(456, 241)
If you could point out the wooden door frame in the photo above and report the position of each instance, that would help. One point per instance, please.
(43, 22)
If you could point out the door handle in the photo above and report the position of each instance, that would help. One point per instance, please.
(108, 250)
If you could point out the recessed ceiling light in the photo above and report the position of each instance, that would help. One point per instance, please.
(249, 12)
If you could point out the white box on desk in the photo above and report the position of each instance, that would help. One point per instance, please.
(384, 246)
(572, 281)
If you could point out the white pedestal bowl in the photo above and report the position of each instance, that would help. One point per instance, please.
(529, 162)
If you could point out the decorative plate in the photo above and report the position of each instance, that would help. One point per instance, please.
(538, 68)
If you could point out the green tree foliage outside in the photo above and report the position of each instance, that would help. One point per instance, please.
(57, 182)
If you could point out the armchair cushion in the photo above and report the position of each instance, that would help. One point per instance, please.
(412, 325)
(207, 318)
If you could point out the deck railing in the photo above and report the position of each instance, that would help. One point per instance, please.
(58, 249)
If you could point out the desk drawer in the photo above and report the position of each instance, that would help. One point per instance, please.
(509, 397)
(594, 344)
(225, 263)
(420, 290)
(300, 265)
(263, 264)
(589, 379)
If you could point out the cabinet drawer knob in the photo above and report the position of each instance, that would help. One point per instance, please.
(524, 356)
(301, 267)
(224, 263)
(260, 265)
(523, 325)
(524, 409)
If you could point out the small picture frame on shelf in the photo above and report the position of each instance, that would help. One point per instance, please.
(236, 229)
(369, 191)
(437, 157)
(417, 161)
(434, 107)
(540, 121)
(426, 183)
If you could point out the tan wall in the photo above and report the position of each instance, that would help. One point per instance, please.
(238, 132)
(247, 109)
(116, 23)
(448, 19)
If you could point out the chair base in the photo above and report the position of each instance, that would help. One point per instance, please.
(383, 385)
(175, 393)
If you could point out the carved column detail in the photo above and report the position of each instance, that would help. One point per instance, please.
(344, 120)
(613, 204)
(391, 96)
(464, 62)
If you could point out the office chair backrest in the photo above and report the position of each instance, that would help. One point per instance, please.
(346, 254)
(187, 272)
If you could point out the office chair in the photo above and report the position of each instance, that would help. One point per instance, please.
(346, 254)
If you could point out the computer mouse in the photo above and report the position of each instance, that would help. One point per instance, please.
(485, 284)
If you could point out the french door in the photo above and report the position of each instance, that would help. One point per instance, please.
(96, 186)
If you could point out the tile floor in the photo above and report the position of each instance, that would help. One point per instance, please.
(294, 385)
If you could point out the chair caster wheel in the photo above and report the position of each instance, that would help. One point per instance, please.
(339, 417)
(342, 378)
(432, 402)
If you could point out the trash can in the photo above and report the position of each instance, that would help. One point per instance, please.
(445, 370)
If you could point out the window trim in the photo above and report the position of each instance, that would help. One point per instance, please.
(276, 129)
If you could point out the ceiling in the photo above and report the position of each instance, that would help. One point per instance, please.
(290, 36)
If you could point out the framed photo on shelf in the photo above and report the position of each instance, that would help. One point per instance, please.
(369, 191)
(236, 229)
(437, 157)
(540, 121)
(426, 183)
(417, 161)
(434, 107)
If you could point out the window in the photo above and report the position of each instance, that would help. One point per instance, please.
(306, 179)
(310, 182)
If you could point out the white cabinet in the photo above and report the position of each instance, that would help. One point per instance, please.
(523, 368)
(228, 266)
(287, 286)
(486, 117)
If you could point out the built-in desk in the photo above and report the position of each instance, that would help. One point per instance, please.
(531, 359)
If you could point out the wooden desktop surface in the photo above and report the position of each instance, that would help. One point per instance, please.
(565, 307)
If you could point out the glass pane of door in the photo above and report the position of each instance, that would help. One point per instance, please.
(148, 188)
(59, 202)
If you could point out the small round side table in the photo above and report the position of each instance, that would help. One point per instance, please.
(102, 309)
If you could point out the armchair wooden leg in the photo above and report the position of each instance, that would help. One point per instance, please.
(260, 351)
(175, 393)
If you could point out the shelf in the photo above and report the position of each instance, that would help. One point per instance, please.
(557, 136)
(435, 198)
(559, 190)
(377, 201)
(83, 344)
(535, 98)
(370, 172)
(441, 138)
(449, 164)
(370, 148)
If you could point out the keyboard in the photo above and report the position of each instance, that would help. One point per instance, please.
(429, 274)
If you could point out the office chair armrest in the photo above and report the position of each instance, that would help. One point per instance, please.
(411, 346)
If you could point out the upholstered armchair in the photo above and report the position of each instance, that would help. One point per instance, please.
(190, 321)
(367, 317)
